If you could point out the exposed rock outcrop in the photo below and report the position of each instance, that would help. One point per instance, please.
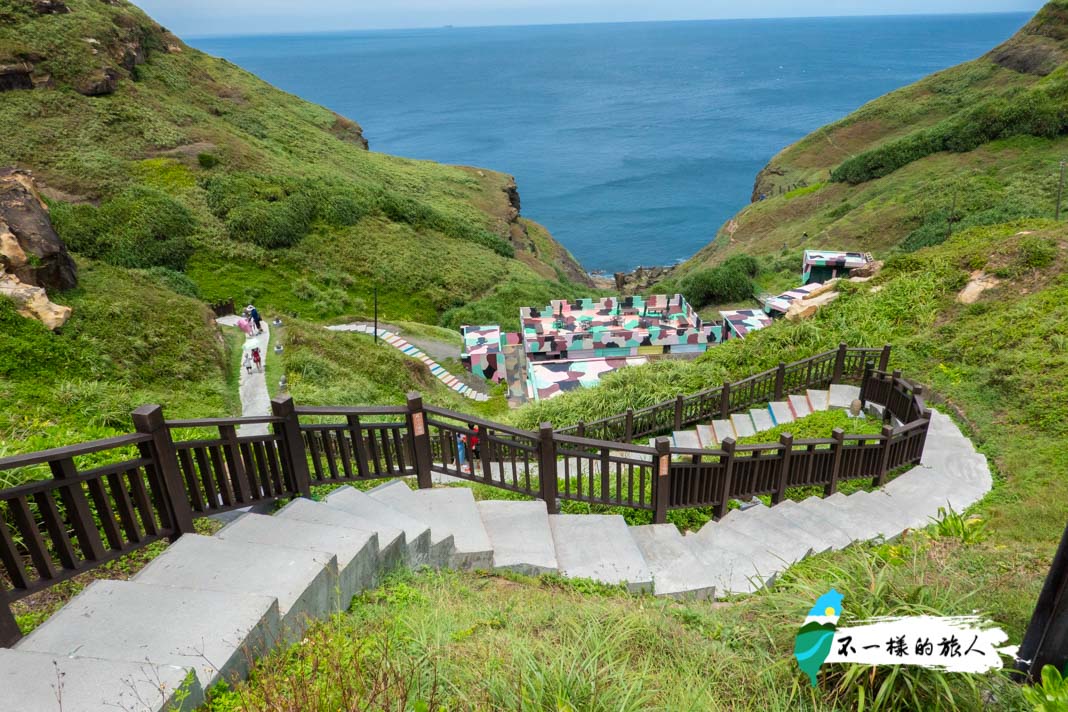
(978, 282)
(100, 82)
(29, 248)
(32, 302)
(348, 130)
(806, 308)
(50, 7)
(16, 75)
(639, 281)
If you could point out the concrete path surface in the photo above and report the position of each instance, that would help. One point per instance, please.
(255, 400)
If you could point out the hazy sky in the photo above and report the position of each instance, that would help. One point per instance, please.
(208, 17)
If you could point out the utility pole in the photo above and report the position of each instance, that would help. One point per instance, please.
(1060, 191)
(376, 315)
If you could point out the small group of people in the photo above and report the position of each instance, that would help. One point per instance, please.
(253, 359)
(468, 451)
(250, 321)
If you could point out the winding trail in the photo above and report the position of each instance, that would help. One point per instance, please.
(255, 399)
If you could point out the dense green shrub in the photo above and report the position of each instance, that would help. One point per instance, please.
(207, 160)
(139, 228)
(177, 282)
(731, 281)
(1035, 114)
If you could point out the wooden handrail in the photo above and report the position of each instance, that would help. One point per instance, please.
(67, 451)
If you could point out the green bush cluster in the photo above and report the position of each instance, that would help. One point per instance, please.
(1038, 113)
(731, 281)
(273, 211)
(139, 228)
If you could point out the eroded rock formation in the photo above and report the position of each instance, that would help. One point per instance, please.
(32, 256)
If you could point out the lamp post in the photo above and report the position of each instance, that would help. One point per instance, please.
(1060, 190)
(376, 315)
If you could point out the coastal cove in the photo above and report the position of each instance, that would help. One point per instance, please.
(633, 143)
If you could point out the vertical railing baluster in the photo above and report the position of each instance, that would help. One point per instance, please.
(547, 467)
(661, 480)
(728, 446)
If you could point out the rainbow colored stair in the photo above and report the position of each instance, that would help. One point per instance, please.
(409, 350)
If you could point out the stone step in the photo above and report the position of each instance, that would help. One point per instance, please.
(520, 535)
(599, 547)
(781, 412)
(861, 516)
(677, 572)
(784, 541)
(762, 419)
(737, 565)
(707, 436)
(385, 520)
(41, 681)
(218, 634)
(814, 518)
(356, 550)
(799, 405)
(743, 425)
(392, 551)
(723, 429)
(819, 400)
(448, 509)
(842, 396)
(302, 581)
(687, 439)
(398, 496)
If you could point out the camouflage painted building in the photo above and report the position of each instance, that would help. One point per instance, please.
(778, 305)
(821, 265)
(741, 322)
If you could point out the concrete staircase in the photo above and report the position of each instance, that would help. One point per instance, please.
(757, 420)
(208, 606)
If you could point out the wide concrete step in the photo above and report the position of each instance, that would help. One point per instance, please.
(786, 543)
(799, 405)
(451, 510)
(398, 496)
(216, 633)
(819, 400)
(863, 516)
(762, 419)
(520, 535)
(356, 551)
(687, 439)
(812, 516)
(781, 412)
(677, 572)
(743, 425)
(707, 436)
(386, 520)
(599, 547)
(723, 429)
(842, 395)
(392, 550)
(42, 682)
(302, 580)
(738, 565)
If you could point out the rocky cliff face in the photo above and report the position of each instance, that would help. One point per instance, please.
(32, 257)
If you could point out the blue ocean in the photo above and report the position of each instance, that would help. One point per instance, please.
(631, 142)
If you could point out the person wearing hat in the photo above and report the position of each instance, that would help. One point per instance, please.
(256, 319)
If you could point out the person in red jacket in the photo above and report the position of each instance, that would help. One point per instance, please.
(473, 443)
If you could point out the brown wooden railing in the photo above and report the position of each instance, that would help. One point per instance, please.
(88, 504)
(819, 371)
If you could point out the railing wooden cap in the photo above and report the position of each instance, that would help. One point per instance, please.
(69, 451)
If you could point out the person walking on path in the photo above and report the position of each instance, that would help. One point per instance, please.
(257, 358)
(246, 326)
(247, 362)
(472, 443)
(461, 452)
(254, 313)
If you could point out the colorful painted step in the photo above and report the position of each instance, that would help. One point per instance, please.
(409, 350)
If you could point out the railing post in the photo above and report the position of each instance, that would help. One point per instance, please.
(884, 458)
(547, 467)
(289, 430)
(661, 480)
(839, 362)
(865, 380)
(725, 400)
(839, 443)
(420, 440)
(787, 442)
(780, 380)
(148, 419)
(628, 427)
(884, 358)
(236, 464)
(680, 405)
(9, 627)
(581, 429)
(728, 447)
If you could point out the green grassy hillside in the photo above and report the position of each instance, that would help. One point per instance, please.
(178, 180)
(978, 144)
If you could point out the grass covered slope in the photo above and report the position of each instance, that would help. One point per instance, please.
(977, 144)
(185, 161)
